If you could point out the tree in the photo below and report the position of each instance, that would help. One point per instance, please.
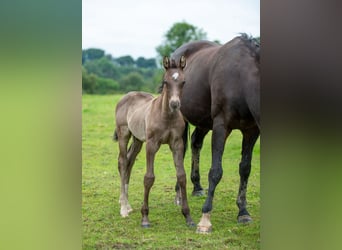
(141, 62)
(132, 82)
(125, 61)
(88, 82)
(92, 54)
(102, 67)
(179, 34)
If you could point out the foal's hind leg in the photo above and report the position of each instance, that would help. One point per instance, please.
(123, 138)
(249, 138)
(133, 151)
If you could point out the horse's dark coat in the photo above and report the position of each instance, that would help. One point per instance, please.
(222, 92)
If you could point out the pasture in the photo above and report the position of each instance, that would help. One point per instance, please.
(103, 227)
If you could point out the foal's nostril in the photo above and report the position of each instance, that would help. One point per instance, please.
(174, 105)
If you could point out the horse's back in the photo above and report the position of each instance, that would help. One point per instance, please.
(235, 84)
(221, 78)
(131, 111)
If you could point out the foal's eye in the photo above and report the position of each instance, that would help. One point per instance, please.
(183, 82)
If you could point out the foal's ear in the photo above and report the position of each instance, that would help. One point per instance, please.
(182, 62)
(166, 62)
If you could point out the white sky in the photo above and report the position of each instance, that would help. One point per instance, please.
(136, 28)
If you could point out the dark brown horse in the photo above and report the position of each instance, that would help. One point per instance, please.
(222, 93)
(156, 121)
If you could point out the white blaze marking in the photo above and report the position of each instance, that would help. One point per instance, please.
(175, 76)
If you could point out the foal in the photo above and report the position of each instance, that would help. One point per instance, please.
(156, 121)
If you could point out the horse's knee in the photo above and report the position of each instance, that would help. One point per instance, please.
(215, 175)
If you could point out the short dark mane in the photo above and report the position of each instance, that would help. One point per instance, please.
(252, 43)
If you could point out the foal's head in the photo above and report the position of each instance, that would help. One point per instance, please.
(173, 81)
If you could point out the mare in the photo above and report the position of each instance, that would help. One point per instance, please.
(155, 121)
(222, 93)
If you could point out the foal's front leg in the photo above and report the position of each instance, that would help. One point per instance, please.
(151, 149)
(177, 148)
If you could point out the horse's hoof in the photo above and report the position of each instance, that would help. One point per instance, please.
(244, 219)
(203, 230)
(198, 193)
(145, 225)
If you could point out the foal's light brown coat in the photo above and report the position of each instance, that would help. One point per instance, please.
(155, 121)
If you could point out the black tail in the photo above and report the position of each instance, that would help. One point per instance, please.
(115, 136)
(186, 134)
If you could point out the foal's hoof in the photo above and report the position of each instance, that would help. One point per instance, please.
(198, 193)
(191, 224)
(124, 212)
(178, 201)
(244, 219)
(203, 229)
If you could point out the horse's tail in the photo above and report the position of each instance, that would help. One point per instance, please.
(115, 136)
(186, 135)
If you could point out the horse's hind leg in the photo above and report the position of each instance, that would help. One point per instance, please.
(249, 138)
(123, 137)
(197, 138)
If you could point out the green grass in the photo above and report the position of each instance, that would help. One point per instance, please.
(103, 227)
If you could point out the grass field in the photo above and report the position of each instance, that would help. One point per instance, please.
(103, 227)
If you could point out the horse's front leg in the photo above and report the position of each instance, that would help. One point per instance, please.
(249, 138)
(218, 140)
(151, 149)
(177, 149)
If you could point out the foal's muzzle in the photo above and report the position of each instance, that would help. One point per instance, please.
(174, 104)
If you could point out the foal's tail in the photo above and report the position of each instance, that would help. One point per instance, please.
(115, 136)
(186, 135)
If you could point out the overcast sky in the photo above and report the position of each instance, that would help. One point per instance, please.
(136, 28)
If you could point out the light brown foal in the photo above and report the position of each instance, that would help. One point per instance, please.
(155, 121)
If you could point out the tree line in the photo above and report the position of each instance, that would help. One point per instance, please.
(104, 74)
